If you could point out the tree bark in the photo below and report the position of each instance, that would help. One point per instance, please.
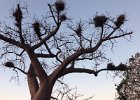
(44, 92)
(38, 69)
(32, 82)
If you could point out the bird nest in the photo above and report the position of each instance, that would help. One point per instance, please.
(99, 21)
(59, 5)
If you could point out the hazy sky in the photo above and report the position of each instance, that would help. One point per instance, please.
(101, 87)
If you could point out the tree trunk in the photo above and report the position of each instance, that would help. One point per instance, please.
(40, 91)
(44, 92)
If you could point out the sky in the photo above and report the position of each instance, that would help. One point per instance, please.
(101, 87)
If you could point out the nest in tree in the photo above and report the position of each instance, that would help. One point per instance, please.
(18, 15)
(63, 17)
(121, 67)
(59, 5)
(9, 64)
(36, 27)
(79, 30)
(99, 21)
(111, 66)
(131, 59)
(120, 20)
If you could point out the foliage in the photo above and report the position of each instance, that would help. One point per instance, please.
(129, 88)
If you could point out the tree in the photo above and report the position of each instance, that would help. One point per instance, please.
(44, 52)
(129, 88)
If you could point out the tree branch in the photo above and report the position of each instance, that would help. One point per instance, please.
(77, 70)
(46, 46)
(20, 70)
(45, 55)
(114, 37)
(71, 58)
(52, 14)
(84, 70)
(50, 34)
(74, 56)
(40, 72)
(11, 41)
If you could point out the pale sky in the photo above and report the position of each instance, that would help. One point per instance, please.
(101, 87)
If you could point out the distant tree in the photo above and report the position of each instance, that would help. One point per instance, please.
(46, 50)
(129, 88)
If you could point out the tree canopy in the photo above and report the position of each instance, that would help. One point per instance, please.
(53, 46)
(128, 89)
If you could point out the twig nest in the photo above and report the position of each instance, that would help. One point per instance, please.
(79, 30)
(59, 5)
(121, 67)
(120, 20)
(9, 64)
(110, 66)
(36, 27)
(99, 21)
(18, 14)
(63, 17)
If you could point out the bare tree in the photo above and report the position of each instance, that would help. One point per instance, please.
(129, 88)
(47, 49)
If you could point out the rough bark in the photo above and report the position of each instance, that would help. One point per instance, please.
(40, 72)
(32, 82)
(44, 92)
(38, 91)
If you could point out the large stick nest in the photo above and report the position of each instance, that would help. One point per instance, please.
(9, 64)
(59, 5)
(99, 21)
(18, 14)
(120, 20)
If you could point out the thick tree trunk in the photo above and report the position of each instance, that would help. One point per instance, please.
(42, 96)
(32, 82)
(41, 88)
(39, 92)
(44, 92)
